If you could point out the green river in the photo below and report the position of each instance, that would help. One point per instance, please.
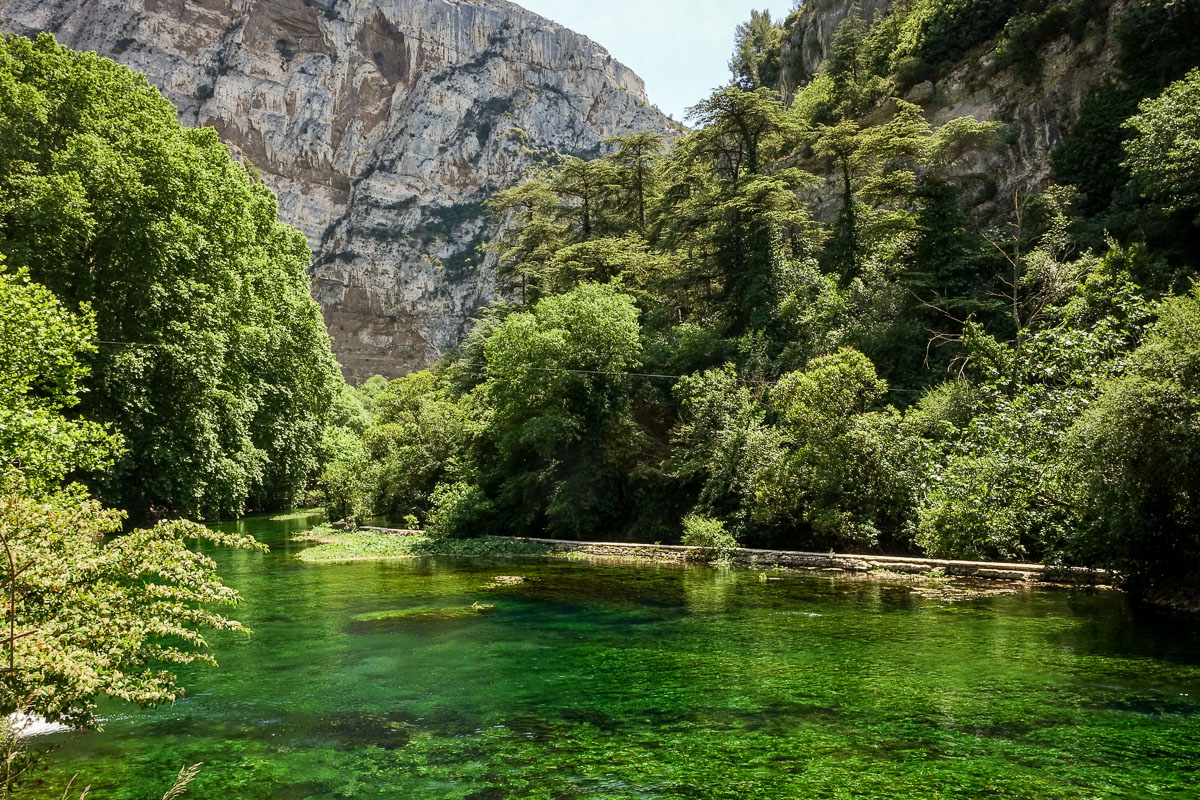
(616, 681)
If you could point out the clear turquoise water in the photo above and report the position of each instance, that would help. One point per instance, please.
(656, 682)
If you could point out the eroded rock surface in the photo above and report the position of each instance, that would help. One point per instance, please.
(1038, 114)
(382, 125)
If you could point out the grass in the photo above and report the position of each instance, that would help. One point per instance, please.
(332, 546)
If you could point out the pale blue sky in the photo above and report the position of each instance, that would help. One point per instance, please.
(681, 48)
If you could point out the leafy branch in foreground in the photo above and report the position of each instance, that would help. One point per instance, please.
(103, 617)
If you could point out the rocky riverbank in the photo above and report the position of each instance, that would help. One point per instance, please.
(398, 543)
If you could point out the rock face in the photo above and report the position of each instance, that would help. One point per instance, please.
(810, 33)
(1038, 114)
(382, 125)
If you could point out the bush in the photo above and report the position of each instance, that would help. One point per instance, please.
(460, 511)
(709, 535)
(941, 31)
(1133, 454)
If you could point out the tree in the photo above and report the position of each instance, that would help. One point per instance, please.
(844, 470)
(587, 187)
(1133, 456)
(636, 158)
(83, 616)
(1163, 153)
(757, 52)
(94, 617)
(558, 394)
(722, 442)
(213, 363)
(41, 371)
(733, 208)
(999, 486)
(853, 82)
(422, 435)
(738, 131)
(530, 234)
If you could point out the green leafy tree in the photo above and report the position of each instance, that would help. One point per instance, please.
(1132, 457)
(41, 372)
(531, 231)
(855, 83)
(421, 438)
(558, 394)
(460, 511)
(998, 487)
(734, 209)
(844, 471)
(1164, 153)
(722, 441)
(587, 189)
(637, 160)
(213, 363)
(85, 615)
(96, 617)
(350, 482)
(708, 535)
(757, 53)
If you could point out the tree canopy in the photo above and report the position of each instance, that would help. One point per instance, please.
(211, 360)
(797, 327)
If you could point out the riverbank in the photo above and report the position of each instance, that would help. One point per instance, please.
(332, 546)
(374, 543)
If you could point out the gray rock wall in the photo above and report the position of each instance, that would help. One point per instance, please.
(1038, 115)
(382, 125)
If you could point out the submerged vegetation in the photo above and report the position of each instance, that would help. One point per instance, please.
(813, 325)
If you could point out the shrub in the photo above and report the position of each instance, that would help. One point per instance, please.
(709, 535)
(941, 31)
(460, 511)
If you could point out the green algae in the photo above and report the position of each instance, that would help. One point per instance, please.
(455, 612)
(620, 681)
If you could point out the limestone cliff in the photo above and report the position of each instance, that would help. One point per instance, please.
(382, 125)
(1038, 112)
(810, 32)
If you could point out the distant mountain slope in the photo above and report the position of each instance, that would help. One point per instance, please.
(383, 125)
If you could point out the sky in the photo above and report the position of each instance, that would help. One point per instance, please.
(681, 48)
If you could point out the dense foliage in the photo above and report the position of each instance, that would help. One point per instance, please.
(806, 325)
(103, 619)
(157, 342)
(211, 361)
(83, 617)
(40, 348)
